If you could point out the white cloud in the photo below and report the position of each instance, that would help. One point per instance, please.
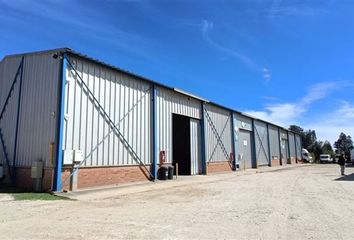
(207, 27)
(266, 75)
(328, 125)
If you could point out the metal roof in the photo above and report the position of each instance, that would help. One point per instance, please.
(72, 52)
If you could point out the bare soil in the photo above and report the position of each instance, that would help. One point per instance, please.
(302, 202)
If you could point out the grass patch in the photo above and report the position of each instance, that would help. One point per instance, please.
(37, 196)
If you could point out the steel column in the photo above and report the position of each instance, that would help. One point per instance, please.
(280, 153)
(254, 151)
(287, 134)
(203, 140)
(295, 147)
(233, 144)
(269, 154)
(154, 133)
(57, 186)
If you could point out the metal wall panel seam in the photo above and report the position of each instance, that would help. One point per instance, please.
(57, 173)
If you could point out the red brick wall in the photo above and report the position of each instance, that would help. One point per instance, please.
(101, 176)
(219, 166)
(275, 162)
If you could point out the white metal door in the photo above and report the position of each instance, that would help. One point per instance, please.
(195, 147)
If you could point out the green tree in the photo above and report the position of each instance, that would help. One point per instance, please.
(344, 144)
(309, 140)
(327, 148)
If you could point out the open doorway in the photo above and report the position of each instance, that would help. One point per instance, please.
(181, 144)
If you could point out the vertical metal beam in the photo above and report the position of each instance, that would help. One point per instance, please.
(203, 139)
(280, 153)
(295, 147)
(57, 186)
(17, 122)
(269, 154)
(287, 134)
(233, 144)
(154, 132)
(254, 151)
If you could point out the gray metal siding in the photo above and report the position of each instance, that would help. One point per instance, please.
(195, 147)
(274, 142)
(261, 140)
(169, 102)
(284, 146)
(292, 145)
(221, 120)
(298, 146)
(244, 149)
(39, 107)
(126, 100)
(243, 122)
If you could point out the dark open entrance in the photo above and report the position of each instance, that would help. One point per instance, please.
(181, 144)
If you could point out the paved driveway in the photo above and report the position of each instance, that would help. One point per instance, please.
(302, 202)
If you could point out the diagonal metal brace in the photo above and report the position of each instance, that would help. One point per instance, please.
(261, 143)
(218, 136)
(112, 124)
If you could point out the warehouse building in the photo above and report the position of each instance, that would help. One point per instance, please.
(69, 121)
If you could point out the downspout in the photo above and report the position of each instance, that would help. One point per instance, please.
(57, 186)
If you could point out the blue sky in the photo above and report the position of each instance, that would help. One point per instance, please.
(289, 62)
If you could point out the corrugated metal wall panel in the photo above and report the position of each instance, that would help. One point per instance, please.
(298, 146)
(274, 142)
(195, 147)
(126, 100)
(244, 149)
(243, 136)
(244, 122)
(292, 145)
(284, 146)
(169, 102)
(221, 119)
(39, 107)
(261, 140)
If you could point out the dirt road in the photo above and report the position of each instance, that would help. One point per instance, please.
(307, 202)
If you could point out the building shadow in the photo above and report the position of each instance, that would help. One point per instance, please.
(349, 177)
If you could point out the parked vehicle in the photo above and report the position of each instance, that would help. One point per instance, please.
(325, 158)
(306, 156)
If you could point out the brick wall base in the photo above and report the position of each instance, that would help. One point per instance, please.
(275, 163)
(101, 176)
(24, 180)
(223, 166)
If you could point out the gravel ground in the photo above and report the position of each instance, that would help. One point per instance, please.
(302, 202)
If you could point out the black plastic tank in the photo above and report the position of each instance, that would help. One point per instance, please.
(171, 170)
(163, 173)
